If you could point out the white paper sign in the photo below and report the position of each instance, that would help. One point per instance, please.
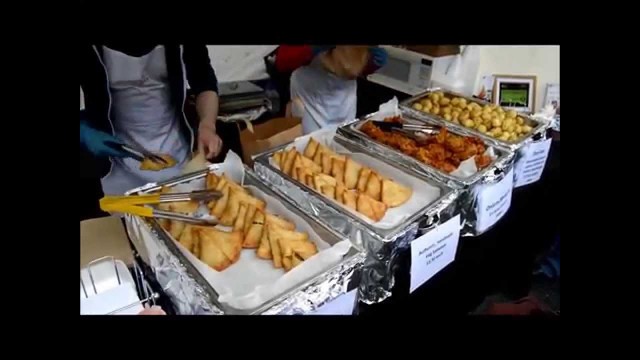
(529, 168)
(493, 202)
(432, 251)
(342, 305)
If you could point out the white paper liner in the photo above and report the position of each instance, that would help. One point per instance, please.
(423, 193)
(252, 281)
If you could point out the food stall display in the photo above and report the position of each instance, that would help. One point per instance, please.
(265, 256)
(360, 196)
(333, 210)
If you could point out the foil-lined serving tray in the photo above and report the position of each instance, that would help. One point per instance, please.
(192, 294)
(352, 132)
(382, 245)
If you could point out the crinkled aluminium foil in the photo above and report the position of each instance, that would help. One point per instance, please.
(193, 295)
(382, 250)
(187, 295)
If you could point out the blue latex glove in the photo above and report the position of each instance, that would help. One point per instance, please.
(379, 56)
(321, 48)
(99, 143)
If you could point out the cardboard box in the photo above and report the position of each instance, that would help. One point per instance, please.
(435, 50)
(265, 136)
(102, 237)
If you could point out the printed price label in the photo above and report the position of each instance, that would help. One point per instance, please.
(432, 251)
(529, 168)
(493, 202)
(342, 305)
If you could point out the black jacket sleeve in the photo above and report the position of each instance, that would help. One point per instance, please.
(200, 73)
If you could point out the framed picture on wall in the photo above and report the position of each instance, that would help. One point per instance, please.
(515, 92)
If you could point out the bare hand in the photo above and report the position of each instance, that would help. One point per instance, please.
(209, 143)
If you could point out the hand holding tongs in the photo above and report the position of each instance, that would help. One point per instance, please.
(134, 204)
(138, 153)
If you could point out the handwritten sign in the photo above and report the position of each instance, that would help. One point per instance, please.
(529, 168)
(493, 202)
(432, 251)
(342, 305)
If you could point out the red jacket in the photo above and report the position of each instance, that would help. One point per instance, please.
(291, 57)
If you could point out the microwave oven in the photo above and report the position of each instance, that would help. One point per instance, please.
(405, 71)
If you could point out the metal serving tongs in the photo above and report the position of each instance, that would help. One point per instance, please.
(417, 132)
(394, 126)
(139, 153)
(135, 204)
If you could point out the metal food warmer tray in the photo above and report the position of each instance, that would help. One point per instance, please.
(467, 200)
(352, 132)
(538, 132)
(383, 246)
(192, 294)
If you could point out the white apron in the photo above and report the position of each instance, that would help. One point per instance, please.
(142, 114)
(327, 98)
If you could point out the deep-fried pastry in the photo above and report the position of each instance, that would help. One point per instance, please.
(276, 254)
(176, 228)
(288, 160)
(362, 179)
(277, 158)
(238, 225)
(186, 237)
(151, 165)
(374, 185)
(251, 212)
(370, 207)
(312, 147)
(329, 191)
(279, 222)
(338, 169)
(264, 250)
(394, 194)
(351, 173)
(230, 243)
(220, 205)
(253, 235)
(349, 199)
(211, 180)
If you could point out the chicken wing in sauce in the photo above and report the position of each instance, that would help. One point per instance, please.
(444, 151)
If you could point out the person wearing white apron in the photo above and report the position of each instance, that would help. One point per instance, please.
(135, 95)
(327, 99)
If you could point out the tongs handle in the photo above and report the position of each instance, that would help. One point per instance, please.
(198, 195)
(143, 211)
(131, 200)
(390, 126)
(387, 126)
(149, 212)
